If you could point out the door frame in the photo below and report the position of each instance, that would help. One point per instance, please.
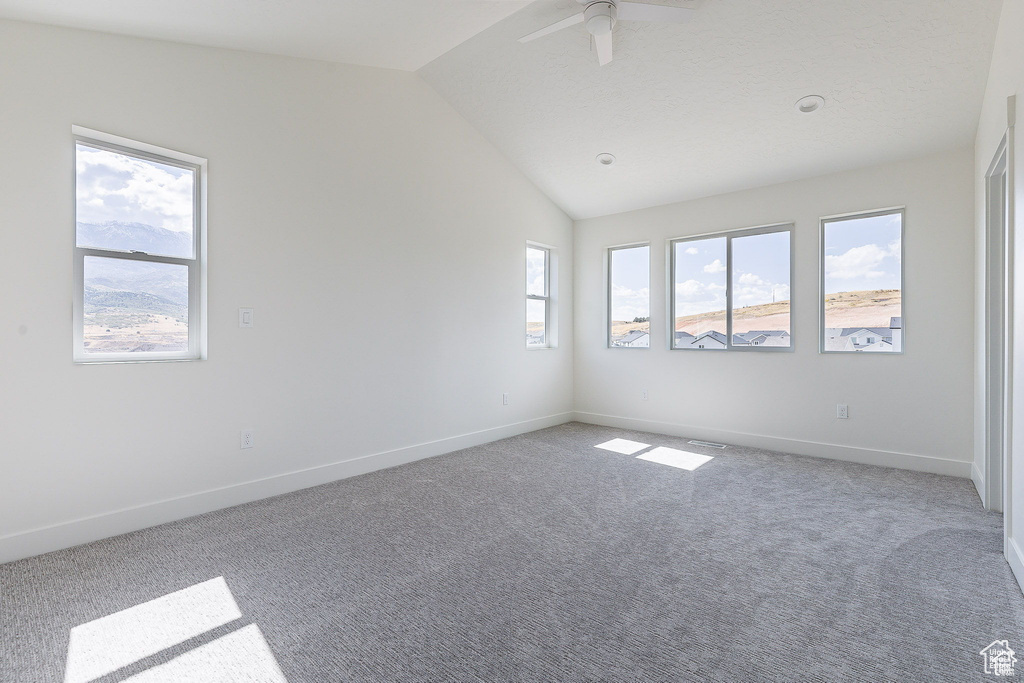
(997, 326)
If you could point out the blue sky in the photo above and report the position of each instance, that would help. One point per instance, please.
(631, 283)
(760, 272)
(860, 253)
(863, 253)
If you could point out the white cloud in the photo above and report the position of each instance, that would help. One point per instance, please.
(113, 186)
(858, 262)
(628, 304)
(694, 297)
(534, 271)
(761, 293)
(751, 279)
(692, 251)
(715, 266)
(895, 251)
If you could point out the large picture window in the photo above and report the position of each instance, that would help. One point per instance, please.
(629, 296)
(731, 291)
(862, 283)
(138, 252)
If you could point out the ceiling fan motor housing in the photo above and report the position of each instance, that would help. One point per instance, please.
(599, 17)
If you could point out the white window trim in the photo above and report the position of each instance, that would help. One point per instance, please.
(608, 293)
(197, 278)
(838, 218)
(550, 317)
(729, 235)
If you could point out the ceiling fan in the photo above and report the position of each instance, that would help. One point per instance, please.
(599, 16)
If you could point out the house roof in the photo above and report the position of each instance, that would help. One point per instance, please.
(633, 336)
(717, 336)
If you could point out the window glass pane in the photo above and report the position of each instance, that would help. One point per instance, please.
(134, 306)
(536, 310)
(631, 296)
(699, 291)
(863, 279)
(536, 265)
(760, 290)
(133, 204)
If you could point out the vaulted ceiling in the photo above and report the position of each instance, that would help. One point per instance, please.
(394, 34)
(689, 110)
(708, 106)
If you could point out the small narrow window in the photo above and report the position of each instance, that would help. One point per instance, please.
(629, 296)
(138, 252)
(862, 283)
(731, 291)
(538, 297)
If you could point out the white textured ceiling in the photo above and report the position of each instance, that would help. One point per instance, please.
(395, 34)
(707, 107)
(690, 110)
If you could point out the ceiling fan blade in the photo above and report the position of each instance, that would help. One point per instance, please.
(603, 43)
(557, 26)
(636, 11)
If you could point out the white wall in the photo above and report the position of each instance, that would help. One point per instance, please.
(1006, 78)
(378, 237)
(913, 410)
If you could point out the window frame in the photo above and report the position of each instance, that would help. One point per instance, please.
(550, 339)
(197, 315)
(838, 218)
(608, 292)
(729, 235)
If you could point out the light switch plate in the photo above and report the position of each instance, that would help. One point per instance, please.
(245, 317)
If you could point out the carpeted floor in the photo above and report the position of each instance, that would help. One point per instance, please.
(541, 558)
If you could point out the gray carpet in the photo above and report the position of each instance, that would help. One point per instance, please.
(541, 558)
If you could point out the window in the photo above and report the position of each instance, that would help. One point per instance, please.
(862, 283)
(539, 332)
(629, 296)
(731, 291)
(138, 251)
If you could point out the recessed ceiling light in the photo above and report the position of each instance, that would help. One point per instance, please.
(606, 159)
(810, 104)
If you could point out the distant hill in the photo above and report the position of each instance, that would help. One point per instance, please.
(135, 236)
(867, 308)
(98, 299)
(119, 309)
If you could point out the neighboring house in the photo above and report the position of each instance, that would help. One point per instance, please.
(708, 340)
(869, 339)
(636, 338)
(761, 338)
(683, 339)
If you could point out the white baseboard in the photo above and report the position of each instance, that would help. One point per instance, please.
(979, 482)
(866, 456)
(107, 524)
(1016, 559)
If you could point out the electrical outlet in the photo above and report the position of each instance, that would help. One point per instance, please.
(643, 395)
(248, 439)
(504, 399)
(842, 411)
